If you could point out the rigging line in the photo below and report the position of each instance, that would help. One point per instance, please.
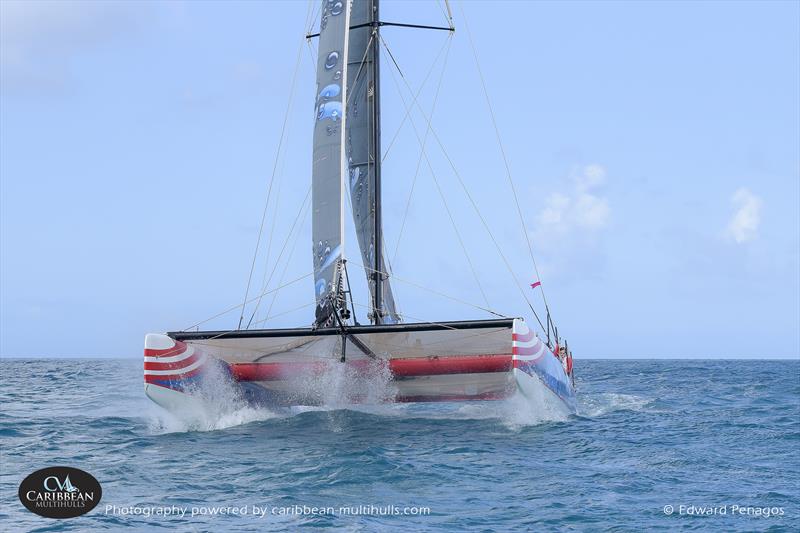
(271, 317)
(503, 153)
(478, 212)
(416, 95)
(283, 313)
(300, 211)
(237, 306)
(460, 239)
(388, 266)
(440, 3)
(283, 249)
(272, 228)
(449, 14)
(423, 154)
(391, 55)
(309, 8)
(377, 343)
(399, 349)
(431, 290)
(312, 5)
(312, 21)
(289, 257)
(272, 179)
(264, 281)
(421, 321)
(313, 58)
(465, 337)
(430, 343)
(419, 161)
(424, 141)
(288, 260)
(204, 342)
(358, 73)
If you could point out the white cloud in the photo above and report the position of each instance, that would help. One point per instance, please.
(592, 176)
(582, 208)
(743, 226)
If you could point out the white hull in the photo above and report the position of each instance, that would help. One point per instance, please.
(184, 377)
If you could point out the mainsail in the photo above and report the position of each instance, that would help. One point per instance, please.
(328, 164)
(363, 136)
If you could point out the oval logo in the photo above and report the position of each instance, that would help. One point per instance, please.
(60, 492)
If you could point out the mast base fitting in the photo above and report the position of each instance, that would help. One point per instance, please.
(376, 314)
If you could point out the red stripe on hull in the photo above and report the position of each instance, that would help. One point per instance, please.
(177, 365)
(150, 378)
(455, 364)
(411, 367)
(179, 348)
(273, 371)
(520, 350)
(519, 337)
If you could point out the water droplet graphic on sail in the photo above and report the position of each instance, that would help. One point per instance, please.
(336, 7)
(329, 91)
(331, 60)
(331, 110)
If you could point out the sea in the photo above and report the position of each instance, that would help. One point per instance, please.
(656, 445)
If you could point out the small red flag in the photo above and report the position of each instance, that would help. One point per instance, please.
(534, 285)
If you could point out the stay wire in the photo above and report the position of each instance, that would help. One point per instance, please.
(424, 155)
(416, 95)
(237, 306)
(433, 291)
(283, 249)
(480, 216)
(272, 180)
(505, 159)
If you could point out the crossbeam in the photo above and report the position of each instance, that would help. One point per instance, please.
(397, 24)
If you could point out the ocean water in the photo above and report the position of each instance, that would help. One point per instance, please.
(719, 437)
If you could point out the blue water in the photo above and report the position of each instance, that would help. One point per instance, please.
(713, 434)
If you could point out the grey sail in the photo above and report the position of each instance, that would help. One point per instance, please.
(362, 143)
(328, 161)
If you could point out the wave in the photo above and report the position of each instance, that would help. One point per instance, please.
(600, 404)
(514, 413)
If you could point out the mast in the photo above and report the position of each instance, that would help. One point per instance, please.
(363, 149)
(377, 275)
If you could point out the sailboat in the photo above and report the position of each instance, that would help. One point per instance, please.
(336, 358)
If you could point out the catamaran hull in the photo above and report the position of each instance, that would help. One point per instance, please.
(189, 376)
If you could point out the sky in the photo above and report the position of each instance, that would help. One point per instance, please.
(654, 148)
